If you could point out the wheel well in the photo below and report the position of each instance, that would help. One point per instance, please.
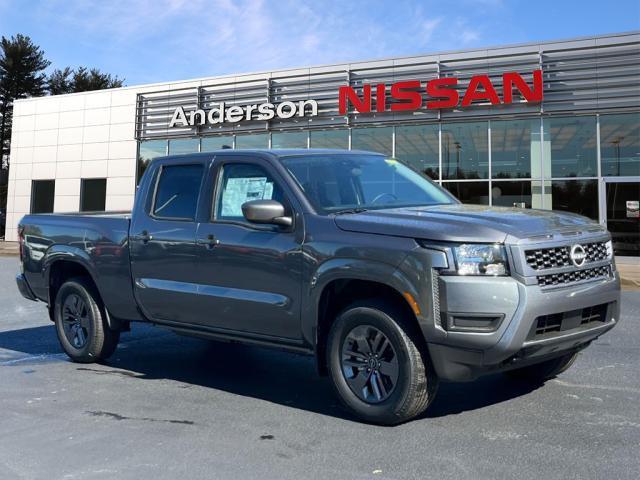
(59, 273)
(338, 294)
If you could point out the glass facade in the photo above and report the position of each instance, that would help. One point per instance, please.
(620, 144)
(378, 139)
(537, 162)
(289, 139)
(258, 140)
(209, 144)
(515, 148)
(329, 139)
(465, 150)
(570, 147)
(420, 146)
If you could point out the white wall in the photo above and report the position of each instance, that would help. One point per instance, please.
(67, 138)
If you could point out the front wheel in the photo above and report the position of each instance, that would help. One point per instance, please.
(541, 372)
(376, 366)
(81, 323)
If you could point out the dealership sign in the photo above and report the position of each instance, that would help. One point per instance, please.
(236, 113)
(441, 93)
(407, 95)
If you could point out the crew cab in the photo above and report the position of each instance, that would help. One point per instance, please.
(355, 258)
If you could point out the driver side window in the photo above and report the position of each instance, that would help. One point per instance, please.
(241, 183)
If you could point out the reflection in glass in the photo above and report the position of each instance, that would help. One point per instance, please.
(260, 140)
(521, 194)
(469, 192)
(620, 144)
(576, 196)
(289, 140)
(42, 195)
(513, 144)
(373, 140)
(181, 146)
(419, 146)
(93, 193)
(465, 150)
(623, 217)
(572, 147)
(330, 139)
(149, 150)
(210, 144)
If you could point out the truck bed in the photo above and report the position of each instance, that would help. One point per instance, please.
(98, 239)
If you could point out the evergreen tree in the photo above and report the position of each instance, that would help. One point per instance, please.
(80, 80)
(22, 65)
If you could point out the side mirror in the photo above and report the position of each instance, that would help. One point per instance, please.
(266, 212)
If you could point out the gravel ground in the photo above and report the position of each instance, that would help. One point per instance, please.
(167, 407)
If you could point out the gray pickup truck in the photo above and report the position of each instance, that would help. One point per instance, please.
(355, 258)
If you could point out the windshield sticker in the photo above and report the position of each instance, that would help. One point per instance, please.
(242, 190)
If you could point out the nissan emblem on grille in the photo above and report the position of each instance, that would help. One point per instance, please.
(578, 255)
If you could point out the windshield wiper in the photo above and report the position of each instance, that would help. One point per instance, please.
(350, 210)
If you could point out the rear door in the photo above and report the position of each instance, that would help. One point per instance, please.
(249, 275)
(162, 241)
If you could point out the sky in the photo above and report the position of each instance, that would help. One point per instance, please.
(148, 41)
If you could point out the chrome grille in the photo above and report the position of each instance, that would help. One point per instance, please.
(574, 276)
(556, 257)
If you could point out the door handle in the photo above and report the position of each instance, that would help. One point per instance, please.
(144, 237)
(209, 242)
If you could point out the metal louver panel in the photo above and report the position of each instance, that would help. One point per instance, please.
(585, 75)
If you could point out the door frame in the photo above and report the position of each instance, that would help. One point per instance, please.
(602, 201)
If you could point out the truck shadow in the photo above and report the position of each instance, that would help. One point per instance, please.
(279, 377)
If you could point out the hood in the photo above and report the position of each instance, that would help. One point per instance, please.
(464, 223)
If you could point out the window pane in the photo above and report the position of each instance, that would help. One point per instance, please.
(209, 144)
(513, 145)
(330, 139)
(465, 150)
(289, 140)
(42, 193)
(241, 183)
(517, 194)
(620, 144)
(572, 147)
(577, 196)
(93, 194)
(419, 146)
(469, 192)
(260, 140)
(178, 190)
(183, 146)
(372, 139)
(622, 217)
(148, 151)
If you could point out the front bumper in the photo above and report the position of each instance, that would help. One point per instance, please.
(465, 355)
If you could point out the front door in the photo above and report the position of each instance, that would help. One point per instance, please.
(162, 244)
(623, 216)
(249, 275)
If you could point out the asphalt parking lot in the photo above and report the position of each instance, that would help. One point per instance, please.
(172, 407)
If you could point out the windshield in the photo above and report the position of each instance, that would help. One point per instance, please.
(345, 182)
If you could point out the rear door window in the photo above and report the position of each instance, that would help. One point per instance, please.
(177, 192)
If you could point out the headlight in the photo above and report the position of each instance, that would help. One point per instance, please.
(475, 259)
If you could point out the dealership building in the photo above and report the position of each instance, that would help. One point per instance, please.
(550, 125)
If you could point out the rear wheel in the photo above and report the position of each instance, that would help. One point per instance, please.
(545, 370)
(81, 323)
(376, 366)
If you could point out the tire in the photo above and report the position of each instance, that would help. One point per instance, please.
(541, 372)
(81, 324)
(394, 392)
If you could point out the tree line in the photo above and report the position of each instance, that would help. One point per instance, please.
(23, 74)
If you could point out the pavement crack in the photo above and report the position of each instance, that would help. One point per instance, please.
(124, 373)
(118, 417)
